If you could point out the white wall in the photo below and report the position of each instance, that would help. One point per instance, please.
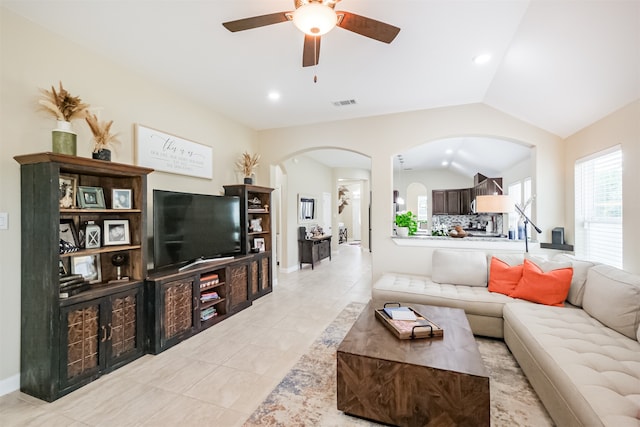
(622, 127)
(34, 58)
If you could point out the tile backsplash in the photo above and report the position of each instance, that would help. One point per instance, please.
(476, 222)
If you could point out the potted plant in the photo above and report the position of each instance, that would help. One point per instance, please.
(102, 137)
(406, 224)
(64, 107)
(247, 165)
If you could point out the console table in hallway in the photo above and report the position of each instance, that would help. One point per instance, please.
(311, 251)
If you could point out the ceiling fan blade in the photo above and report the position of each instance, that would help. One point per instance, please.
(311, 51)
(256, 21)
(368, 27)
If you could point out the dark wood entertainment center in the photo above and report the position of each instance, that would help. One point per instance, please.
(67, 342)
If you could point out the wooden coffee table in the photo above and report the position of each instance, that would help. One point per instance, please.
(422, 382)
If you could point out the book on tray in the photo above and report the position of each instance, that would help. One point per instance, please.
(400, 313)
(405, 326)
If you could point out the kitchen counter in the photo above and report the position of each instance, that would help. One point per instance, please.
(475, 242)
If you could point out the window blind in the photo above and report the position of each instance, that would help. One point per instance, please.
(598, 207)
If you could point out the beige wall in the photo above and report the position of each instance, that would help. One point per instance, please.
(380, 138)
(622, 127)
(303, 176)
(33, 58)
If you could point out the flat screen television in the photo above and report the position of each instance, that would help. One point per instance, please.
(189, 227)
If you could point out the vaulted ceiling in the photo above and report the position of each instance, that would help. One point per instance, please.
(557, 64)
(560, 65)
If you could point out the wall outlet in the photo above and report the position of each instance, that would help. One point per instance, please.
(4, 220)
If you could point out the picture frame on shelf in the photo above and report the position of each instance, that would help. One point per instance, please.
(91, 197)
(121, 198)
(68, 236)
(258, 243)
(88, 266)
(68, 186)
(116, 232)
(256, 225)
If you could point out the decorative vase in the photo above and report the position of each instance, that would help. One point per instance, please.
(63, 139)
(402, 231)
(248, 180)
(103, 154)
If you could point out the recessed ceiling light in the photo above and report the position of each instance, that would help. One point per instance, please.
(481, 59)
(445, 163)
(274, 96)
(449, 151)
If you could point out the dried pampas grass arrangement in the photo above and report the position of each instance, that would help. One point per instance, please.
(101, 131)
(62, 105)
(247, 163)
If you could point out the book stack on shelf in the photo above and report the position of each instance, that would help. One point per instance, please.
(209, 296)
(208, 313)
(72, 284)
(209, 280)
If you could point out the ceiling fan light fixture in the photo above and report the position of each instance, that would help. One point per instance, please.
(315, 19)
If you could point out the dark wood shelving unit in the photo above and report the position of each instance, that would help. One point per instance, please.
(68, 342)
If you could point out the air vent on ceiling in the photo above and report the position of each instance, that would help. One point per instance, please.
(344, 103)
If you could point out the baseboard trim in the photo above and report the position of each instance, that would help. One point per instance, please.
(290, 269)
(9, 385)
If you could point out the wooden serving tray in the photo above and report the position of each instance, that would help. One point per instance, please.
(422, 327)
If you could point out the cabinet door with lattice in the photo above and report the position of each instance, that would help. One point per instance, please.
(82, 337)
(124, 327)
(177, 321)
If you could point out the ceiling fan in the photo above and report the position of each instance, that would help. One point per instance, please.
(315, 18)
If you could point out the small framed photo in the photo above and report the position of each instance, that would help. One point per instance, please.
(88, 266)
(91, 198)
(67, 186)
(116, 232)
(256, 225)
(121, 198)
(68, 236)
(258, 243)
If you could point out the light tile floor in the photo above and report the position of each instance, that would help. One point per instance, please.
(218, 377)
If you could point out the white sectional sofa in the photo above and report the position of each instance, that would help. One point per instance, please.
(582, 359)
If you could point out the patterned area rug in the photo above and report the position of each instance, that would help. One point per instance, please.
(307, 394)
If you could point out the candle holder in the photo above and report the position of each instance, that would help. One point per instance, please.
(118, 260)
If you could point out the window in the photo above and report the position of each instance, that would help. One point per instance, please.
(520, 193)
(598, 207)
(422, 208)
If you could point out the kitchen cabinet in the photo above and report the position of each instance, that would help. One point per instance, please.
(488, 187)
(450, 202)
(438, 202)
(465, 201)
(453, 202)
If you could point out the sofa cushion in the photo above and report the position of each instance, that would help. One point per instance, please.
(580, 269)
(569, 355)
(503, 278)
(467, 268)
(422, 290)
(612, 296)
(545, 283)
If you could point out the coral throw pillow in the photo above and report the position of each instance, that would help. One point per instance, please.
(550, 288)
(503, 278)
